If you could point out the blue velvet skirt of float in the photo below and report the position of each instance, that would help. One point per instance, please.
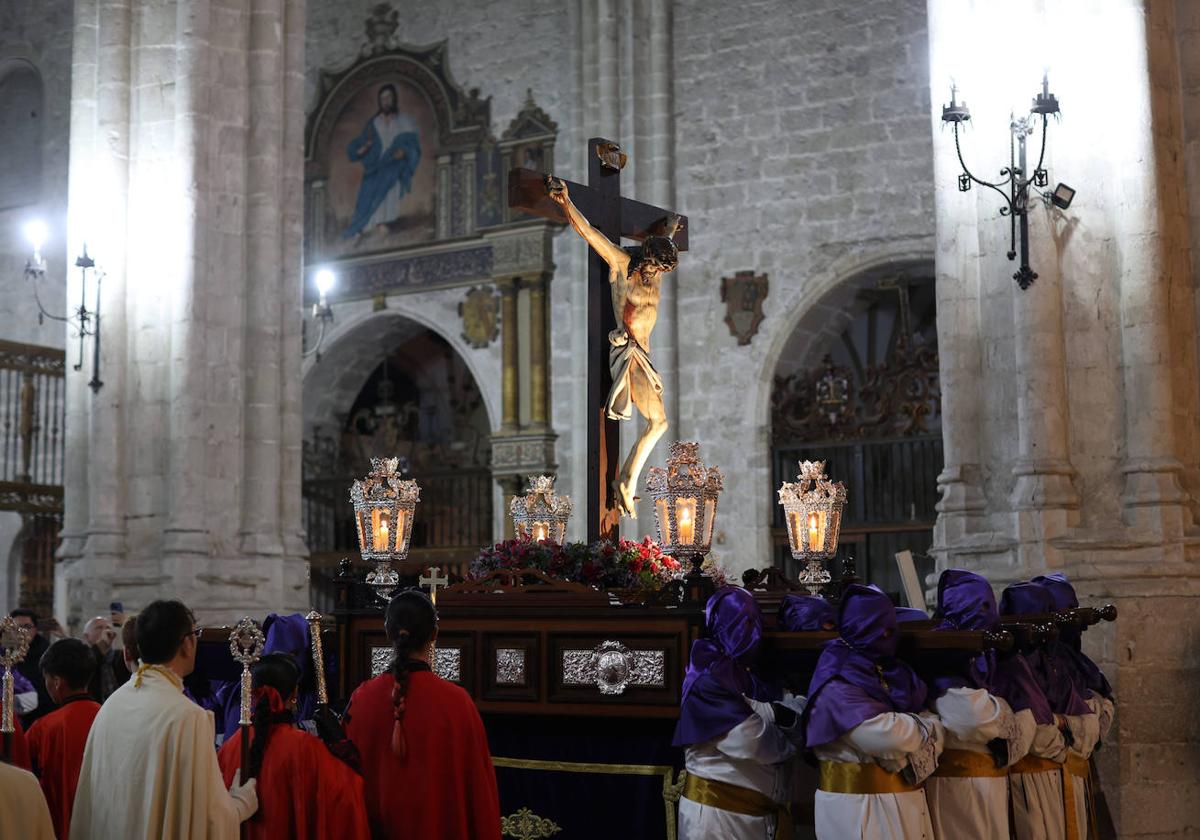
(624, 356)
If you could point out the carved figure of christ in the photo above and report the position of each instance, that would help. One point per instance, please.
(611, 218)
(635, 281)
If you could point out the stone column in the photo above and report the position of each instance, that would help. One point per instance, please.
(191, 202)
(1152, 237)
(539, 379)
(960, 338)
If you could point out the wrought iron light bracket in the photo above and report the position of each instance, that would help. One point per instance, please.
(1016, 181)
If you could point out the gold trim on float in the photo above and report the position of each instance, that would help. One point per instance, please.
(526, 825)
(672, 784)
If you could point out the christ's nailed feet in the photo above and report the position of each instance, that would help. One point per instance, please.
(625, 499)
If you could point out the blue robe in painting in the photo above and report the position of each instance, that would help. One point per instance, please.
(381, 171)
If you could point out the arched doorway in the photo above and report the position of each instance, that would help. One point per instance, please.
(417, 401)
(857, 386)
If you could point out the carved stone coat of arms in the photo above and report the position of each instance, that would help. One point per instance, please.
(743, 295)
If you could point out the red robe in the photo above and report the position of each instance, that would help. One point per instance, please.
(56, 744)
(304, 792)
(446, 788)
(16, 747)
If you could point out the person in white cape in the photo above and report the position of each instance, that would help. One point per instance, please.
(150, 768)
(23, 809)
(867, 725)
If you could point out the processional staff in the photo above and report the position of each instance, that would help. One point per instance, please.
(318, 655)
(14, 639)
(246, 646)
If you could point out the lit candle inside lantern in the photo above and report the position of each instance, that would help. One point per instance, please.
(814, 532)
(381, 535)
(687, 526)
(541, 531)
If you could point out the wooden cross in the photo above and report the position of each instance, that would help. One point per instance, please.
(615, 217)
(433, 580)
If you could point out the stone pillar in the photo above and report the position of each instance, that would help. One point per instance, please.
(191, 202)
(1044, 500)
(539, 379)
(1151, 222)
(509, 382)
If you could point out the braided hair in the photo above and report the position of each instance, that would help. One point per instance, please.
(410, 624)
(281, 673)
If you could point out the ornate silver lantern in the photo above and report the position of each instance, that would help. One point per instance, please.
(541, 514)
(685, 502)
(812, 506)
(384, 504)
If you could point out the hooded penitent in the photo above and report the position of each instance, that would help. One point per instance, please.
(718, 673)
(1050, 667)
(798, 613)
(966, 602)
(858, 675)
(1085, 672)
(283, 634)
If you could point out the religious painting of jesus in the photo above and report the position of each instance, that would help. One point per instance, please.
(382, 155)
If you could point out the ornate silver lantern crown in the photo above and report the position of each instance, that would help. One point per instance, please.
(812, 506)
(685, 500)
(384, 504)
(541, 514)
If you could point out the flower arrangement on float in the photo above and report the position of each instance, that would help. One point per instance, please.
(624, 564)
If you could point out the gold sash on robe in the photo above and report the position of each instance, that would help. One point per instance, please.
(868, 778)
(960, 764)
(738, 800)
(1076, 767)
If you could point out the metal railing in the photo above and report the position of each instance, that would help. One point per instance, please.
(33, 411)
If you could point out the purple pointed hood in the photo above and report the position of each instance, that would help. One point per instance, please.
(1049, 664)
(719, 672)
(966, 601)
(798, 613)
(1085, 672)
(858, 675)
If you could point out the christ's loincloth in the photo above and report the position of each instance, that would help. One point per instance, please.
(623, 356)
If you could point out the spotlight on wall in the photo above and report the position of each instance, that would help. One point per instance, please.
(1062, 196)
(36, 233)
(322, 312)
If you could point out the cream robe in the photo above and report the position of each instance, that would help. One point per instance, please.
(976, 807)
(150, 769)
(1037, 798)
(893, 740)
(755, 754)
(23, 810)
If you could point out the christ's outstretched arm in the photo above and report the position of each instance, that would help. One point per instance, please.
(613, 254)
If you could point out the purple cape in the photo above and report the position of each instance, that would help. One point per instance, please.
(904, 614)
(1048, 664)
(1084, 671)
(716, 677)
(858, 675)
(966, 602)
(798, 613)
(284, 634)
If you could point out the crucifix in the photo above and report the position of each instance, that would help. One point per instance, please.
(620, 280)
(433, 580)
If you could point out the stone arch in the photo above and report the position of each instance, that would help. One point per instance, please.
(805, 305)
(355, 346)
(21, 108)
